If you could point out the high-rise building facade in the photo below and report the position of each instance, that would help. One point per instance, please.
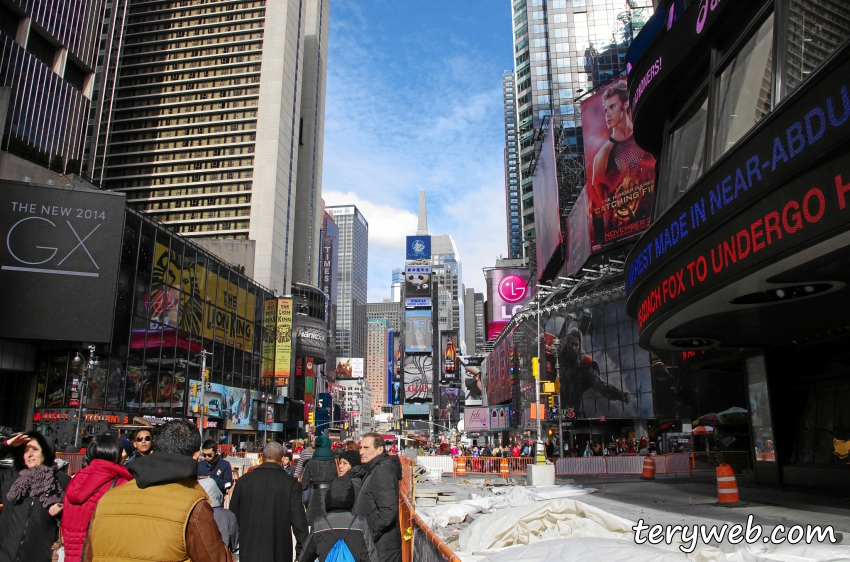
(446, 271)
(398, 282)
(391, 310)
(475, 326)
(563, 49)
(352, 278)
(48, 53)
(207, 127)
(512, 202)
(378, 358)
(309, 207)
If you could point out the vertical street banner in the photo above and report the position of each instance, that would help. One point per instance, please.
(620, 174)
(269, 339)
(283, 343)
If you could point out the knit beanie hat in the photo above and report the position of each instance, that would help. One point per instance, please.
(340, 496)
(323, 450)
(353, 458)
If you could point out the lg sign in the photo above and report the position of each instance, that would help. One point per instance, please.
(512, 288)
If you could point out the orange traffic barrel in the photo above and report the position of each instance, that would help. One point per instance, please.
(727, 485)
(503, 468)
(461, 466)
(648, 468)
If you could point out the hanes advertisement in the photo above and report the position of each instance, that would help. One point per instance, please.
(620, 174)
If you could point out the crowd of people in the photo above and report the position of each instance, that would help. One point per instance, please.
(170, 497)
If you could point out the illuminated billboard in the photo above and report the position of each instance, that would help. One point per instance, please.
(473, 380)
(349, 368)
(476, 419)
(448, 357)
(232, 404)
(500, 418)
(418, 331)
(418, 378)
(578, 237)
(277, 342)
(419, 247)
(59, 261)
(547, 214)
(620, 174)
(449, 404)
(500, 376)
(417, 285)
(507, 292)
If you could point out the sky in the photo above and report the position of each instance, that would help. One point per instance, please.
(414, 102)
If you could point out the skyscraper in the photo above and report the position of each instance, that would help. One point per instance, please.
(563, 49)
(447, 271)
(352, 277)
(512, 202)
(474, 314)
(378, 357)
(398, 282)
(49, 53)
(311, 139)
(207, 123)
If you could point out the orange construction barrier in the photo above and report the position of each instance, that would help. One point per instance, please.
(727, 485)
(461, 466)
(503, 468)
(648, 468)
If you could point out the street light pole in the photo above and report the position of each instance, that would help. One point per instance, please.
(541, 364)
(556, 344)
(202, 407)
(92, 362)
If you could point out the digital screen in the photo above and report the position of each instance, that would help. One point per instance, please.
(419, 331)
(507, 292)
(233, 404)
(417, 286)
(59, 261)
(418, 247)
(547, 214)
(448, 357)
(449, 404)
(418, 378)
(620, 174)
(349, 368)
(473, 380)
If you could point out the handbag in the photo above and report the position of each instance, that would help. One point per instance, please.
(58, 549)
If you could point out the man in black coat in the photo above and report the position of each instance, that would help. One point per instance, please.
(378, 498)
(267, 504)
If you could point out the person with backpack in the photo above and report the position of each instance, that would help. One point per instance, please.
(339, 535)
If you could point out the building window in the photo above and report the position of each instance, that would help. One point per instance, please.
(812, 34)
(686, 150)
(744, 90)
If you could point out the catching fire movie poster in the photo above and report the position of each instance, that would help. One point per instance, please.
(620, 174)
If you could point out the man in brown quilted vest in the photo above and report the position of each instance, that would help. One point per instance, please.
(163, 514)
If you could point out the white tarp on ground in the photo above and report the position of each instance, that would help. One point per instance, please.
(541, 521)
(565, 530)
(512, 496)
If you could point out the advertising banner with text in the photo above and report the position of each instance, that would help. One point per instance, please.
(59, 262)
(620, 174)
(417, 286)
(507, 292)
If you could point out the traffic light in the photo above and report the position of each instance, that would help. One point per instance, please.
(195, 389)
(311, 418)
(535, 367)
(550, 432)
(551, 401)
(206, 375)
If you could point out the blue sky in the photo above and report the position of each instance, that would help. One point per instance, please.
(414, 101)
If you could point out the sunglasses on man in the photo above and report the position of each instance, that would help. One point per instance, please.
(145, 438)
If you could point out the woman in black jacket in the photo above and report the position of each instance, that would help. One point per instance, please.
(317, 475)
(340, 523)
(31, 491)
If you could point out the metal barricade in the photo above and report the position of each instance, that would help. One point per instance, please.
(493, 465)
(623, 465)
(443, 462)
